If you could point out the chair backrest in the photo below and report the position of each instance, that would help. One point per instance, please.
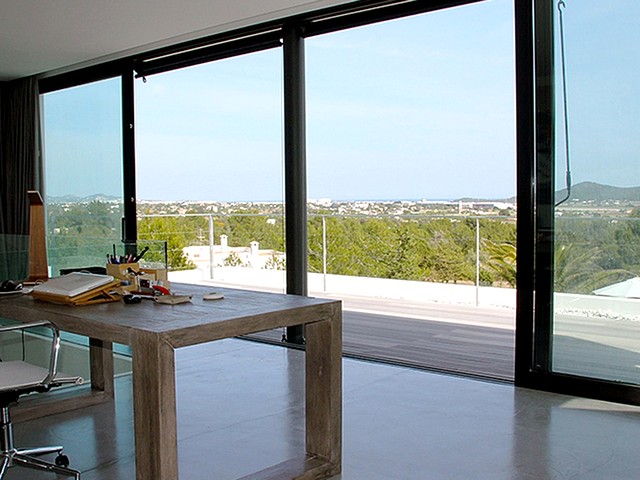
(19, 377)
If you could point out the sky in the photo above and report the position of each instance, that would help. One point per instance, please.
(416, 108)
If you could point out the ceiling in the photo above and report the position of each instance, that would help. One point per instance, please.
(54, 36)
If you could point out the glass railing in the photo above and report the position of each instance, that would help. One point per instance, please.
(447, 249)
(591, 252)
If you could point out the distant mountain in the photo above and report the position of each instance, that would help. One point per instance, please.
(596, 192)
(583, 192)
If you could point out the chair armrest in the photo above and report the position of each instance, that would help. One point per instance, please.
(55, 344)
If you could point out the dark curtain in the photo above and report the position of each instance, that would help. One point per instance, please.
(20, 171)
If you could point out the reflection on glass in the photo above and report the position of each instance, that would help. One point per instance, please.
(83, 173)
(597, 230)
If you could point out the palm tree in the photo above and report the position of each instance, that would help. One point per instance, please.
(502, 260)
(577, 272)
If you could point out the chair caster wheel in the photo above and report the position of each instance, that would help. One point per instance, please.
(62, 460)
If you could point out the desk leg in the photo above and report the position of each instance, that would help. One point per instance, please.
(101, 365)
(154, 407)
(324, 390)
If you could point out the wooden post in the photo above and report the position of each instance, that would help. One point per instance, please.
(324, 391)
(38, 265)
(154, 406)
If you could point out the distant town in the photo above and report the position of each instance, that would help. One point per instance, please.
(331, 207)
(587, 199)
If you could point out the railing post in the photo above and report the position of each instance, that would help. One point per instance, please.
(211, 243)
(477, 261)
(324, 253)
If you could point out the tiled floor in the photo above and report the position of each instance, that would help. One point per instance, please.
(240, 409)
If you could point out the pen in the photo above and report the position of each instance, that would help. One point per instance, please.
(141, 254)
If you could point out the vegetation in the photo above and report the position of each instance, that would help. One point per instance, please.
(590, 252)
(424, 249)
(79, 232)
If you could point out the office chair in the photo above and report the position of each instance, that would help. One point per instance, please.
(19, 378)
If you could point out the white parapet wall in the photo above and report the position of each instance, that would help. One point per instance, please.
(360, 286)
(609, 307)
(449, 293)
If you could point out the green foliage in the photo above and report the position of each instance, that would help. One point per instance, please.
(178, 232)
(233, 260)
(423, 249)
(590, 252)
(275, 263)
(81, 235)
(247, 227)
(502, 260)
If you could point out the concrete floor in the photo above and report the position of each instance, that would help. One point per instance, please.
(240, 410)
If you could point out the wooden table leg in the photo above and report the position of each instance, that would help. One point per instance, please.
(324, 390)
(154, 407)
(101, 365)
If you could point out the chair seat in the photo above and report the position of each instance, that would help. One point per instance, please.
(19, 378)
(19, 375)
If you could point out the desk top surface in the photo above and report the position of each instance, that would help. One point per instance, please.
(240, 312)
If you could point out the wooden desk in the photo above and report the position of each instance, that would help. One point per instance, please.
(154, 331)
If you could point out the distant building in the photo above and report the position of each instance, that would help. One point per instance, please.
(224, 255)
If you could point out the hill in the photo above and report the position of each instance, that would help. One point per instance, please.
(596, 192)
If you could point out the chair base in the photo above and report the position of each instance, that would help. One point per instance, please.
(26, 458)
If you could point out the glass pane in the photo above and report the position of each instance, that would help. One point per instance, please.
(83, 173)
(597, 231)
(412, 186)
(210, 170)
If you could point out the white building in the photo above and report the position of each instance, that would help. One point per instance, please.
(223, 255)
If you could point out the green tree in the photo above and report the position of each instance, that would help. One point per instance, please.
(577, 272)
(502, 260)
(169, 230)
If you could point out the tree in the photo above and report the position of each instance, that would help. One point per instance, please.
(502, 260)
(577, 272)
(166, 229)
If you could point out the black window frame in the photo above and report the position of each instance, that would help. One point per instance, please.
(535, 74)
(534, 152)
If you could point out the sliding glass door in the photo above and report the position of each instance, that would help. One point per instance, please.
(588, 192)
(83, 173)
(597, 211)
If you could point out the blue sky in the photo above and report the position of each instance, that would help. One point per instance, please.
(421, 107)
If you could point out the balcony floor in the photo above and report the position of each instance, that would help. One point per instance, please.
(463, 339)
(240, 409)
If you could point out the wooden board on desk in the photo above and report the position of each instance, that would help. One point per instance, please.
(97, 295)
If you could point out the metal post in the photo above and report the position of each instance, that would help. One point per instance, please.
(324, 253)
(525, 155)
(295, 170)
(545, 185)
(477, 262)
(129, 223)
(211, 243)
